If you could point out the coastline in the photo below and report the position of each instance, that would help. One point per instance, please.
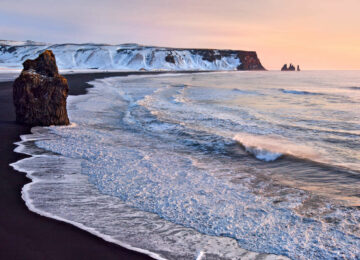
(34, 175)
(27, 235)
(57, 198)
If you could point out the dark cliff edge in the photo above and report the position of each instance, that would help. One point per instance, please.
(248, 60)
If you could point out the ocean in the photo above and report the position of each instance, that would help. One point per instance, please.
(220, 165)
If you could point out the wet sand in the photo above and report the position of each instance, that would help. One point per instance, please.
(24, 234)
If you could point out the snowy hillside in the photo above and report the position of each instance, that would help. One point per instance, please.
(128, 57)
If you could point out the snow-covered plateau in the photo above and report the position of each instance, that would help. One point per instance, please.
(128, 57)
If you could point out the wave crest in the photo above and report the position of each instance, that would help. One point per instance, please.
(270, 148)
(299, 92)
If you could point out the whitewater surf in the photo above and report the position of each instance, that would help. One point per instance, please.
(217, 165)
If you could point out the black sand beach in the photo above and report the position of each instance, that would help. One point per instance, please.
(24, 234)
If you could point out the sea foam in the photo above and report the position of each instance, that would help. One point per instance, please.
(160, 175)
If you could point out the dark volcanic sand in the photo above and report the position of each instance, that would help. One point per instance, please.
(24, 234)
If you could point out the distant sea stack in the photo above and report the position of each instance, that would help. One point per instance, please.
(130, 57)
(40, 93)
(290, 68)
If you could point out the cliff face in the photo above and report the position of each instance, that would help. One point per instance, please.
(250, 61)
(40, 93)
(130, 57)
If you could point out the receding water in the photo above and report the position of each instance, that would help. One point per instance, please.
(208, 165)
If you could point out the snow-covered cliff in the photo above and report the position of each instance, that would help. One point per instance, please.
(128, 57)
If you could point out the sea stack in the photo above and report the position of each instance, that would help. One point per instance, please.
(40, 93)
(286, 68)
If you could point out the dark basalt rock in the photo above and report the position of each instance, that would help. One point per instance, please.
(12, 49)
(170, 58)
(209, 55)
(286, 68)
(248, 59)
(40, 93)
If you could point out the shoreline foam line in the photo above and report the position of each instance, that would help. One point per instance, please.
(122, 147)
(28, 201)
(25, 196)
(21, 148)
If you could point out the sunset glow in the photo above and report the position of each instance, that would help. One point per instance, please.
(315, 34)
(180, 129)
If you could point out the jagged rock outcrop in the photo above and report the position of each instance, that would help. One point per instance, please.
(40, 93)
(286, 68)
(249, 61)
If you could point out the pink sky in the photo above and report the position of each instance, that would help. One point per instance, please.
(322, 34)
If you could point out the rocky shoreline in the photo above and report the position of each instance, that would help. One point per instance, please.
(24, 234)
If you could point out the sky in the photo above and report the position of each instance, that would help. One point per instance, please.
(317, 34)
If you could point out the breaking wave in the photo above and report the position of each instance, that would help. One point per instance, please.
(153, 163)
(244, 92)
(299, 92)
(269, 149)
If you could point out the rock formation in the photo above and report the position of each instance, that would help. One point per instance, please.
(298, 68)
(131, 57)
(170, 58)
(248, 59)
(286, 68)
(40, 93)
